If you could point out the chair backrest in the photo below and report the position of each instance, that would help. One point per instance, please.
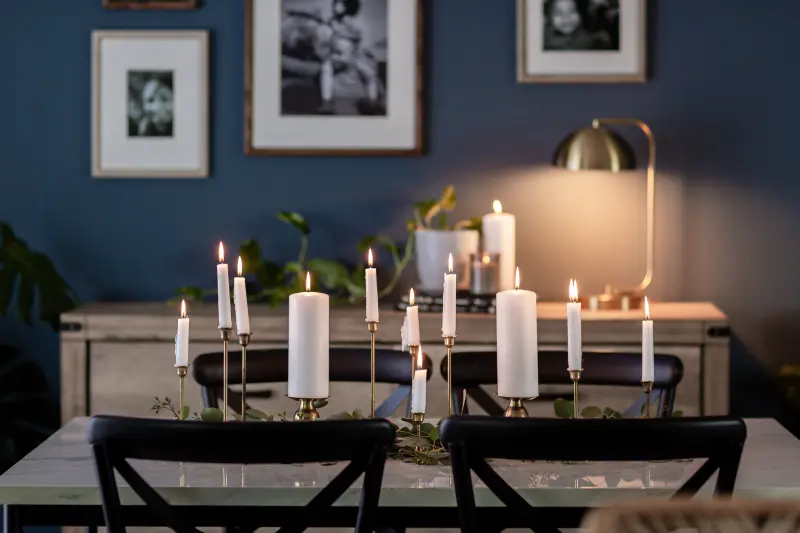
(364, 443)
(728, 516)
(471, 370)
(272, 366)
(470, 440)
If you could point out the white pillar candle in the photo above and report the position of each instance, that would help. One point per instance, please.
(309, 344)
(419, 386)
(372, 291)
(574, 351)
(182, 338)
(517, 347)
(449, 301)
(648, 372)
(223, 291)
(240, 301)
(412, 321)
(499, 237)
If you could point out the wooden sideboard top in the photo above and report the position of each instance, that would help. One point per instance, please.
(676, 322)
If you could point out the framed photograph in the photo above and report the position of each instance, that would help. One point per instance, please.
(150, 104)
(581, 41)
(333, 77)
(150, 4)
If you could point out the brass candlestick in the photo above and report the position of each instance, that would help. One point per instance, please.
(226, 337)
(516, 408)
(182, 371)
(416, 421)
(373, 328)
(244, 340)
(648, 388)
(306, 411)
(575, 376)
(449, 342)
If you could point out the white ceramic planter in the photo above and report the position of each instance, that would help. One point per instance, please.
(433, 247)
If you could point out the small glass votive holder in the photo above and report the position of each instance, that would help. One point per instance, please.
(485, 273)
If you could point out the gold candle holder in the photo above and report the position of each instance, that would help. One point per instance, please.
(244, 340)
(575, 376)
(182, 371)
(225, 333)
(648, 389)
(306, 411)
(516, 408)
(373, 328)
(449, 342)
(416, 421)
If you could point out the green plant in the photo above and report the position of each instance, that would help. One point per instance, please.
(432, 214)
(32, 277)
(566, 409)
(277, 281)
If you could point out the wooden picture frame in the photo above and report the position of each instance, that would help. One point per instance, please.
(580, 57)
(412, 99)
(155, 5)
(150, 104)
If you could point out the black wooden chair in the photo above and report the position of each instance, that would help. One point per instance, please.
(272, 366)
(364, 443)
(471, 370)
(471, 440)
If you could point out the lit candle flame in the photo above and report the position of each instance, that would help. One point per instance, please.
(486, 259)
(239, 267)
(411, 297)
(497, 207)
(308, 281)
(221, 252)
(419, 357)
(450, 263)
(183, 308)
(573, 290)
(646, 309)
(369, 258)
(516, 280)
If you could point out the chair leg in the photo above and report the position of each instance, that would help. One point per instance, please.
(465, 497)
(371, 492)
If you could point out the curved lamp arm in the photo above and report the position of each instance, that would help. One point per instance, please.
(651, 191)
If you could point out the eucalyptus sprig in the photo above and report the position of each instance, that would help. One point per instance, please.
(566, 409)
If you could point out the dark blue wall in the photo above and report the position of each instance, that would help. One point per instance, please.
(722, 99)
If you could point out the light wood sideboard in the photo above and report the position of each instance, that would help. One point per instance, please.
(116, 357)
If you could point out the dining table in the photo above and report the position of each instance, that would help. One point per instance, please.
(55, 485)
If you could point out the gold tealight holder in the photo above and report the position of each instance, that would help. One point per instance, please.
(516, 408)
(575, 376)
(648, 389)
(372, 327)
(181, 371)
(225, 333)
(244, 340)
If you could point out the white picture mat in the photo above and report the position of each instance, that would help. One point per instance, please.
(625, 62)
(396, 130)
(185, 154)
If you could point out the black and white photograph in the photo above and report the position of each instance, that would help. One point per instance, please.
(150, 104)
(581, 41)
(333, 57)
(151, 110)
(581, 25)
(350, 77)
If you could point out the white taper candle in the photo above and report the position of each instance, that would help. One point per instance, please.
(648, 371)
(419, 386)
(182, 338)
(223, 291)
(240, 302)
(574, 351)
(372, 291)
(412, 321)
(449, 301)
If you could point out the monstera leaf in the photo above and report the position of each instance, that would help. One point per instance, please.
(33, 279)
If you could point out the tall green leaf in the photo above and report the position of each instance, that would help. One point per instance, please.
(296, 220)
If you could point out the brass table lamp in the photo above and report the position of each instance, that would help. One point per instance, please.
(598, 148)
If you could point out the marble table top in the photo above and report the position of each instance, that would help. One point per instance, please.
(61, 472)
